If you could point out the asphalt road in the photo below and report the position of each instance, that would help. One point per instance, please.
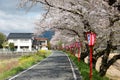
(56, 67)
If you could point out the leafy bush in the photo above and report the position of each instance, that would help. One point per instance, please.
(11, 46)
(44, 51)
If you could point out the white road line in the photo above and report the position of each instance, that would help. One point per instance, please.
(73, 71)
(29, 68)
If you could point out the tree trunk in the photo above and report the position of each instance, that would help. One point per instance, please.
(85, 54)
(110, 62)
(96, 56)
(103, 67)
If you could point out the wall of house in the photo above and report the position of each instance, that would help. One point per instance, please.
(22, 44)
(44, 43)
(38, 44)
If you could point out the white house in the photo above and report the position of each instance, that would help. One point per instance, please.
(22, 41)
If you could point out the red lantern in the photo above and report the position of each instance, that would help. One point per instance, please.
(78, 46)
(91, 38)
(91, 41)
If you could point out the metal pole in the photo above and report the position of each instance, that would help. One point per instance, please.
(91, 51)
(79, 54)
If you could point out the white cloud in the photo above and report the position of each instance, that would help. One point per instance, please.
(17, 23)
(14, 19)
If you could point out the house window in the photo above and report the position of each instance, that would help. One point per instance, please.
(42, 42)
(24, 48)
(16, 48)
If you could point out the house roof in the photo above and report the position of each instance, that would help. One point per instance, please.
(20, 36)
(39, 39)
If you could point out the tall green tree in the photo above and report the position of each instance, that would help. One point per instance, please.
(5, 44)
(2, 39)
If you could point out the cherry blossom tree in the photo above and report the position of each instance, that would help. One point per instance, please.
(76, 17)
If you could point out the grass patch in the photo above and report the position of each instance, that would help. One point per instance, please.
(84, 69)
(24, 62)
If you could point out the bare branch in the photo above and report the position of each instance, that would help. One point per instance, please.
(71, 30)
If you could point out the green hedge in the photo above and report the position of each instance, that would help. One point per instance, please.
(84, 69)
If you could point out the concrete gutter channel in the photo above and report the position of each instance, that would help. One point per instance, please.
(57, 66)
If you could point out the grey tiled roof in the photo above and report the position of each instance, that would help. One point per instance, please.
(20, 36)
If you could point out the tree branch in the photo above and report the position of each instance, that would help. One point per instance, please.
(45, 15)
(77, 12)
(74, 31)
(114, 59)
(114, 19)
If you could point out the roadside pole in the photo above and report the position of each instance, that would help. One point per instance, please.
(91, 41)
(78, 46)
(91, 52)
(79, 54)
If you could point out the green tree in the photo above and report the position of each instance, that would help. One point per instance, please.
(2, 39)
(11, 46)
(60, 44)
(5, 44)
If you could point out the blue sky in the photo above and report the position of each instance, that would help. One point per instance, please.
(14, 19)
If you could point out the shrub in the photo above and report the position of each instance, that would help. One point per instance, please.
(11, 46)
(42, 51)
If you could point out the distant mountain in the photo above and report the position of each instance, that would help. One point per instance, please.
(47, 34)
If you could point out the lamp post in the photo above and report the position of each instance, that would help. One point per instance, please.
(91, 41)
(78, 46)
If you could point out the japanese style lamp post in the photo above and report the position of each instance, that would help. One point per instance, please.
(78, 45)
(91, 41)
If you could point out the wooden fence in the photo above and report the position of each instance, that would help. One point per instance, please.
(7, 54)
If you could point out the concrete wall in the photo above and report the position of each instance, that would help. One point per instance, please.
(22, 43)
